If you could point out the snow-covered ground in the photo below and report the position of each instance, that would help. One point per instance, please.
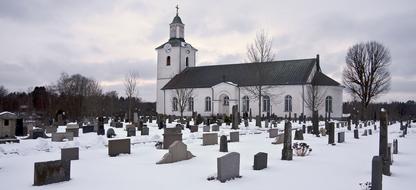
(340, 167)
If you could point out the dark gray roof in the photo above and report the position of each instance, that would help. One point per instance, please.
(174, 42)
(177, 19)
(323, 80)
(245, 74)
(7, 115)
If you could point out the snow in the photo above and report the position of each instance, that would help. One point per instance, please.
(340, 167)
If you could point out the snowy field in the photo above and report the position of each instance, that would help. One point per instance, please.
(340, 167)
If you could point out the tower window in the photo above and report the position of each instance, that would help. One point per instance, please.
(288, 103)
(168, 61)
(187, 62)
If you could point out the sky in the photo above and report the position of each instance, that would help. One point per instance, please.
(105, 40)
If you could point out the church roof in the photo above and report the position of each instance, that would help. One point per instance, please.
(323, 80)
(177, 19)
(174, 42)
(288, 72)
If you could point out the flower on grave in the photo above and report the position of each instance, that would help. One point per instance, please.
(365, 185)
(301, 149)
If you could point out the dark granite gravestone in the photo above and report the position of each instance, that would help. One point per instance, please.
(298, 135)
(341, 137)
(206, 128)
(370, 132)
(376, 173)
(223, 144)
(100, 129)
(59, 137)
(118, 146)
(118, 125)
(110, 133)
(52, 172)
(215, 127)
(70, 153)
(177, 152)
(234, 136)
(273, 133)
(383, 142)
(303, 129)
(245, 122)
(260, 161)
(74, 128)
(390, 154)
(193, 128)
(309, 129)
(395, 146)
(349, 124)
(88, 129)
(171, 135)
(144, 131)
(356, 136)
(287, 151)
(331, 133)
(37, 133)
(365, 133)
(228, 167)
(209, 139)
(131, 131)
(234, 118)
(258, 121)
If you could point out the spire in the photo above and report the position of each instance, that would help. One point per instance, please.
(177, 9)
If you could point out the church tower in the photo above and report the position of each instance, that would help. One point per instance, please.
(173, 57)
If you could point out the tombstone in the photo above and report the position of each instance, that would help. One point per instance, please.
(266, 123)
(118, 125)
(88, 129)
(70, 153)
(274, 123)
(110, 133)
(258, 121)
(135, 117)
(177, 152)
(131, 131)
(245, 123)
(356, 134)
(209, 139)
(279, 139)
(341, 137)
(303, 129)
(144, 131)
(51, 129)
(100, 128)
(215, 128)
(59, 137)
(37, 133)
(395, 146)
(193, 128)
(365, 133)
(309, 129)
(228, 167)
(273, 133)
(383, 142)
(206, 128)
(322, 131)
(287, 152)
(331, 133)
(376, 173)
(118, 146)
(73, 128)
(171, 135)
(234, 136)
(389, 154)
(234, 118)
(298, 135)
(223, 144)
(52, 172)
(260, 161)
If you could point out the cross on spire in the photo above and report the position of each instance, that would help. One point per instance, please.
(177, 9)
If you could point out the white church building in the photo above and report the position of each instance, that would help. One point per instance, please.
(216, 88)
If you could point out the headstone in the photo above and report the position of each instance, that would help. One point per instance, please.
(234, 118)
(234, 136)
(383, 142)
(118, 125)
(258, 121)
(144, 131)
(279, 139)
(177, 152)
(110, 133)
(193, 128)
(245, 122)
(73, 128)
(206, 128)
(370, 132)
(209, 139)
(341, 137)
(395, 146)
(131, 131)
(51, 129)
(356, 134)
(287, 152)
(59, 137)
(365, 133)
(215, 127)
(273, 133)
(70, 153)
(322, 131)
(298, 135)
(37, 133)
(171, 135)
(100, 129)
(266, 123)
(303, 129)
(376, 173)
(389, 154)
(52, 172)
(260, 161)
(88, 129)
(309, 129)
(331, 133)
(118, 146)
(228, 166)
(223, 144)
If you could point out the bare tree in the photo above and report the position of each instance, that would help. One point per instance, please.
(258, 52)
(315, 96)
(130, 87)
(183, 96)
(366, 75)
(3, 93)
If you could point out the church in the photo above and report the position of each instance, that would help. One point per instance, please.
(285, 86)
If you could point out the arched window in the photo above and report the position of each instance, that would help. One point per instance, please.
(168, 61)
(187, 61)
(328, 104)
(288, 103)
(266, 104)
(208, 104)
(175, 104)
(246, 104)
(226, 101)
(191, 104)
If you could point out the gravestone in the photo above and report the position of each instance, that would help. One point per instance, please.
(88, 129)
(144, 131)
(395, 146)
(279, 139)
(206, 128)
(356, 134)
(209, 139)
(234, 118)
(389, 154)
(260, 161)
(37, 133)
(118, 125)
(245, 122)
(370, 132)
(315, 123)
(118, 146)
(73, 128)
(193, 128)
(215, 127)
(234, 136)
(309, 129)
(59, 137)
(365, 133)
(266, 123)
(52, 172)
(70, 153)
(322, 131)
(51, 129)
(383, 142)
(273, 133)
(228, 167)
(298, 135)
(376, 173)
(100, 128)
(331, 133)
(287, 152)
(171, 135)
(131, 131)
(110, 133)
(177, 152)
(303, 129)
(341, 137)
(223, 144)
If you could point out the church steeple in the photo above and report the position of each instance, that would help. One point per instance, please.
(177, 28)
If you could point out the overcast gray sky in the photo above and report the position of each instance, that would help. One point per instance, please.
(105, 39)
